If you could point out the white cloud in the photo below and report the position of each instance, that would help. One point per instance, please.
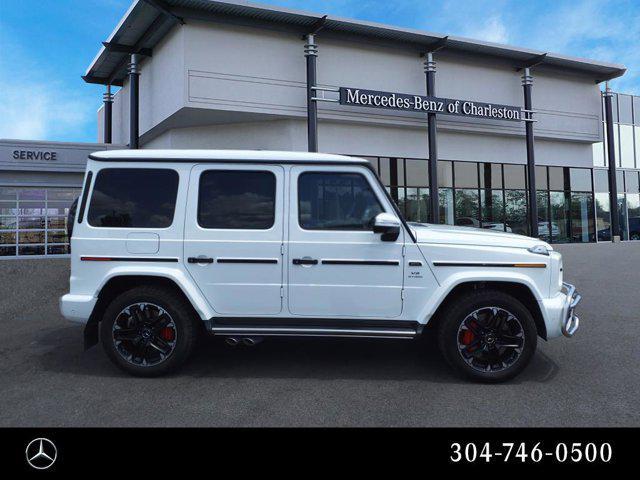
(493, 29)
(41, 111)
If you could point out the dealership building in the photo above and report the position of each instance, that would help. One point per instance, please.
(475, 122)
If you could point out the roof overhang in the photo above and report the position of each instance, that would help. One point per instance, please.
(146, 22)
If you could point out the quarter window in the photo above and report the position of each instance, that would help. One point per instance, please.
(336, 201)
(133, 198)
(237, 199)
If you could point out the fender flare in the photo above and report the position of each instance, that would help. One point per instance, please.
(177, 276)
(460, 278)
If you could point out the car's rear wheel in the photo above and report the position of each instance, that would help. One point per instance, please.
(487, 335)
(148, 331)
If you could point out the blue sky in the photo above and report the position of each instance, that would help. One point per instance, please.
(46, 45)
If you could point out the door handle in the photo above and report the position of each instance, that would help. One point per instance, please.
(199, 260)
(305, 261)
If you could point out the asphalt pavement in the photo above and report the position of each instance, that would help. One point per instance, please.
(47, 380)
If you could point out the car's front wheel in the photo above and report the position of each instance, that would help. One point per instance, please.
(148, 331)
(487, 335)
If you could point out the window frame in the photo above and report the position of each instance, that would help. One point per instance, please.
(242, 171)
(336, 172)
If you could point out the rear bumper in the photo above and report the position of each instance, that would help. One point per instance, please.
(559, 312)
(77, 308)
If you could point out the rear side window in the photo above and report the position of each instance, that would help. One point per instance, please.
(336, 201)
(133, 197)
(237, 199)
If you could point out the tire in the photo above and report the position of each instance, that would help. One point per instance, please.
(493, 346)
(155, 331)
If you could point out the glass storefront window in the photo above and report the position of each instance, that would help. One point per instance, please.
(616, 143)
(417, 172)
(400, 169)
(399, 196)
(417, 205)
(582, 227)
(598, 154)
(620, 181)
(572, 203)
(603, 217)
(445, 199)
(33, 221)
(467, 208)
(624, 108)
(491, 175)
(601, 180)
(516, 211)
(492, 209)
(445, 174)
(633, 215)
(559, 216)
(383, 165)
(542, 201)
(626, 147)
(514, 176)
(541, 178)
(622, 217)
(556, 178)
(466, 174)
(631, 182)
(580, 179)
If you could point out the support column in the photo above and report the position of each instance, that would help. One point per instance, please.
(434, 203)
(107, 97)
(611, 156)
(527, 85)
(134, 107)
(311, 52)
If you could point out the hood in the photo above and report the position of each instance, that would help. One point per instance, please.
(452, 235)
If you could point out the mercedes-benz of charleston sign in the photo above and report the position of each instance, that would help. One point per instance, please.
(359, 97)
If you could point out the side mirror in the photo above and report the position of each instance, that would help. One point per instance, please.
(388, 225)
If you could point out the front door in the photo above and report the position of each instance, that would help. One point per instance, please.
(233, 237)
(337, 266)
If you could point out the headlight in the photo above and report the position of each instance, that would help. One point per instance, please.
(539, 249)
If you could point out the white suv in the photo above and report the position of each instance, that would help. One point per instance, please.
(167, 244)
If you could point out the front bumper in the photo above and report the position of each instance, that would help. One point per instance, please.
(570, 321)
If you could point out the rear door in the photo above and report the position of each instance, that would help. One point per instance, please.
(233, 237)
(338, 267)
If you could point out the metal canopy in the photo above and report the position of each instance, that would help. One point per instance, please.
(148, 21)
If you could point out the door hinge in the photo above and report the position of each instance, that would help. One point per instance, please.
(404, 248)
(402, 294)
(282, 249)
(281, 292)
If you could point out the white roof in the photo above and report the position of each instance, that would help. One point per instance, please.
(226, 155)
(144, 25)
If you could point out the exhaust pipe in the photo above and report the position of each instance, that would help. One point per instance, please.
(232, 341)
(251, 341)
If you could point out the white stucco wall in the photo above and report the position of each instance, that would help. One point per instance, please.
(256, 77)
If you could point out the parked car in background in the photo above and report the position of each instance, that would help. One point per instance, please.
(634, 228)
(543, 231)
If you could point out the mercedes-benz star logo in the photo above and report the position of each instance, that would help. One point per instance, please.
(41, 453)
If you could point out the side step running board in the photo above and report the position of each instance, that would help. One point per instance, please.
(400, 333)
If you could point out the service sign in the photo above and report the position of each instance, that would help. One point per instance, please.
(359, 97)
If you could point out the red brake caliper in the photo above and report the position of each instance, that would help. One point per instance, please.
(467, 337)
(168, 334)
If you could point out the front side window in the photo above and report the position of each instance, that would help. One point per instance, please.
(336, 201)
(237, 199)
(133, 198)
